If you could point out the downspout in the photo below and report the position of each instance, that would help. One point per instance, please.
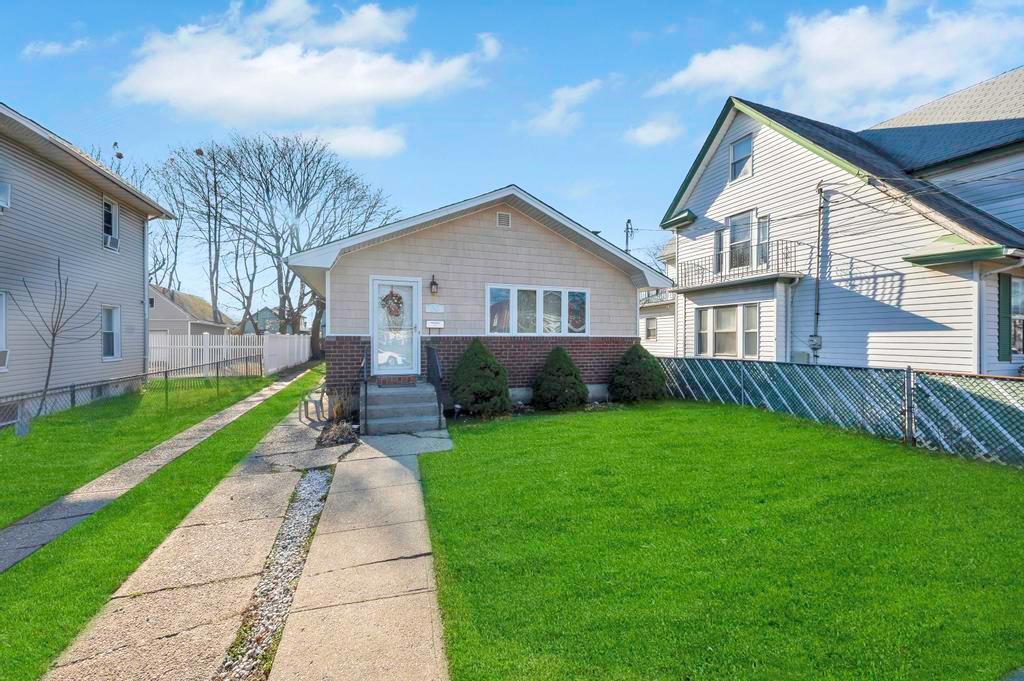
(145, 296)
(815, 340)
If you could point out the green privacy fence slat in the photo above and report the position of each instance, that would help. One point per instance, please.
(978, 417)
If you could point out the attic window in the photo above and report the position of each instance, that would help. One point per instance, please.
(504, 220)
(740, 157)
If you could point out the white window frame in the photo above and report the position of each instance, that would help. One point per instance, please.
(647, 328)
(751, 229)
(513, 323)
(764, 237)
(709, 348)
(3, 332)
(1015, 316)
(733, 159)
(115, 221)
(718, 259)
(116, 357)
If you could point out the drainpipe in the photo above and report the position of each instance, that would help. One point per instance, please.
(814, 342)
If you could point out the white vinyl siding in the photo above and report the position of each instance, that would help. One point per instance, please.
(58, 215)
(995, 185)
(876, 309)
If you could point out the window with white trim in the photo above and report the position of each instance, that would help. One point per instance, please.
(3, 331)
(719, 250)
(110, 332)
(537, 310)
(111, 224)
(1017, 315)
(741, 156)
(764, 224)
(739, 238)
(651, 330)
(728, 330)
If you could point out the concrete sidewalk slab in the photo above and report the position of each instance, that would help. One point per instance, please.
(36, 534)
(399, 577)
(374, 473)
(245, 498)
(410, 443)
(390, 638)
(341, 550)
(71, 506)
(371, 508)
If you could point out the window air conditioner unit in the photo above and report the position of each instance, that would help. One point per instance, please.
(110, 241)
(5, 196)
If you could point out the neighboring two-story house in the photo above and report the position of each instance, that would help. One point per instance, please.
(657, 311)
(56, 202)
(899, 245)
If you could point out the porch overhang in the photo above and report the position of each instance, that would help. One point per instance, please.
(784, 277)
(951, 250)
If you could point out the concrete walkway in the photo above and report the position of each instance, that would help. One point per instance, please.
(366, 605)
(34, 531)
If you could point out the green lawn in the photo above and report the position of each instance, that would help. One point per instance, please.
(691, 541)
(68, 449)
(46, 599)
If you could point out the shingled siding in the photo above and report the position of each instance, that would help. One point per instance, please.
(523, 356)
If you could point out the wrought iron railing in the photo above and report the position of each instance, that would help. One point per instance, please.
(745, 260)
(436, 378)
(654, 296)
(364, 393)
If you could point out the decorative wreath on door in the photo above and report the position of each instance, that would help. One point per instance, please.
(394, 305)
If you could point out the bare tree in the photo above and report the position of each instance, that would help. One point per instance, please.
(651, 254)
(301, 195)
(60, 325)
(166, 236)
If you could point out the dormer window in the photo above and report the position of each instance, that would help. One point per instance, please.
(741, 158)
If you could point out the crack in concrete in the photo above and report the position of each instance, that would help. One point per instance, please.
(372, 527)
(410, 592)
(192, 585)
(412, 556)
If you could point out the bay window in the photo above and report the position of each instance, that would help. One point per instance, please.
(537, 310)
(728, 331)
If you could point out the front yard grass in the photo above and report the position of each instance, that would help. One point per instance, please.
(47, 598)
(65, 450)
(682, 540)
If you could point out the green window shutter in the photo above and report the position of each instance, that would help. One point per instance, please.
(1004, 318)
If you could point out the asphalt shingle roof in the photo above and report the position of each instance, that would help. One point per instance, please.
(199, 309)
(983, 116)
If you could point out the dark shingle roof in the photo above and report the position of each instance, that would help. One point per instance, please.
(983, 116)
(855, 150)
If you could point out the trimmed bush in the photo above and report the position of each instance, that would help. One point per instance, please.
(480, 382)
(559, 385)
(637, 376)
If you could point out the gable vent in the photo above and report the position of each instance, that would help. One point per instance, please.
(504, 219)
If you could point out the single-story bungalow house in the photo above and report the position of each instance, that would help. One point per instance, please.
(176, 313)
(504, 267)
(58, 203)
(267, 321)
(902, 244)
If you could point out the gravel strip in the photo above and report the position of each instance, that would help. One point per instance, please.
(252, 653)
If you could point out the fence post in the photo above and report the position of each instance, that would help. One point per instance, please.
(72, 395)
(908, 407)
(167, 388)
(218, 379)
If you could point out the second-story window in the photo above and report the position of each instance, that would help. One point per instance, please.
(110, 224)
(763, 237)
(739, 239)
(741, 155)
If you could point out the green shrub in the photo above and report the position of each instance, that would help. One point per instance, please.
(559, 385)
(637, 376)
(480, 382)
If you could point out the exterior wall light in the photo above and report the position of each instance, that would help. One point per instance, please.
(433, 285)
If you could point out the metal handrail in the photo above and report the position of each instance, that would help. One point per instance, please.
(364, 407)
(744, 260)
(435, 376)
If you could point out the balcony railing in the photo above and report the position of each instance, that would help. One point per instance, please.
(744, 261)
(657, 295)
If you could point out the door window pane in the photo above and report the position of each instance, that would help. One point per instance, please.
(500, 311)
(577, 312)
(763, 236)
(526, 311)
(394, 316)
(725, 331)
(719, 250)
(552, 312)
(750, 330)
(739, 239)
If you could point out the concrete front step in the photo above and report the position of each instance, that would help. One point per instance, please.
(383, 411)
(401, 395)
(404, 424)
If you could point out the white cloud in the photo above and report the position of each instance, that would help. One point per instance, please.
(489, 46)
(41, 48)
(862, 65)
(561, 117)
(284, 65)
(654, 131)
(362, 141)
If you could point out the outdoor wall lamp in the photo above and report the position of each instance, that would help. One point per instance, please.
(433, 285)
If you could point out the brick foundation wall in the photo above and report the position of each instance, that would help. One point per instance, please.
(523, 356)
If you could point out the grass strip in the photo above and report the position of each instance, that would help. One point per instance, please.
(684, 540)
(63, 451)
(46, 599)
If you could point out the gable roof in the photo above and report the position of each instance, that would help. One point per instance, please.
(194, 306)
(60, 152)
(982, 117)
(312, 265)
(857, 156)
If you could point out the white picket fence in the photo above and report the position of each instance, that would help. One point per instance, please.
(279, 351)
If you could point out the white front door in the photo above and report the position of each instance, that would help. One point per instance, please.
(395, 324)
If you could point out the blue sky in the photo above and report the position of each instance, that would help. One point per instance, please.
(597, 108)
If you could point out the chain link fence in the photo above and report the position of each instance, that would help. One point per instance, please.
(969, 415)
(18, 410)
